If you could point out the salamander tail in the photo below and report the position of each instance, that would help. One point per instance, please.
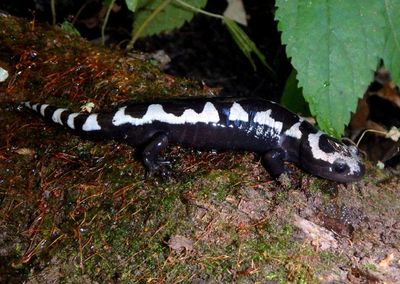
(72, 120)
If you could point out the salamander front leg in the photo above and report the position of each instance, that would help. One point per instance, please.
(151, 154)
(273, 162)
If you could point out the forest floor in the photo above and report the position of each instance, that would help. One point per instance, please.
(78, 211)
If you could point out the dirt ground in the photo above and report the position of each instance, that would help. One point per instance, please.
(75, 211)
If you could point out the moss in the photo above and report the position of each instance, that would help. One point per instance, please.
(370, 267)
(219, 184)
(275, 246)
(316, 185)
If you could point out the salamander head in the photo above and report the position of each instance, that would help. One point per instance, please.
(329, 158)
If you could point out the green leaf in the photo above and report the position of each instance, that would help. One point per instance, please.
(334, 46)
(132, 4)
(292, 97)
(68, 27)
(391, 54)
(246, 45)
(172, 16)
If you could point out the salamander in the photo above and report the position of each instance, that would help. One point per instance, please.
(237, 124)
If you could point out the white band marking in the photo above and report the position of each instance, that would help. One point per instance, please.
(43, 108)
(238, 113)
(155, 112)
(264, 118)
(351, 159)
(56, 117)
(91, 123)
(294, 131)
(35, 107)
(71, 120)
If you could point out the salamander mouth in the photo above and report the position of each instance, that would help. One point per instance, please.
(340, 170)
(344, 177)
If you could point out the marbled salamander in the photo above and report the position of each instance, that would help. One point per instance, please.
(247, 124)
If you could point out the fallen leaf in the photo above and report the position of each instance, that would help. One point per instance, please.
(318, 236)
(25, 151)
(179, 243)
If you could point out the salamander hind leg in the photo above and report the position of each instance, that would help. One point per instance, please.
(273, 162)
(151, 158)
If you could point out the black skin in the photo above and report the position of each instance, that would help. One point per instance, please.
(151, 155)
(226, 135)
(208, 136)
(274, 162)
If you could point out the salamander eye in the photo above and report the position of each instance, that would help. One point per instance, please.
(339, 166)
